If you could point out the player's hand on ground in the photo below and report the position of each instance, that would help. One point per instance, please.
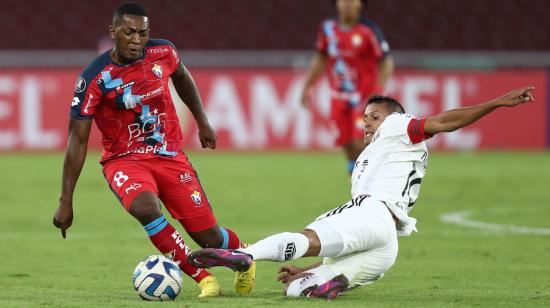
(63, 217)
(287, 272)
(306, 98)
(516, 97)
(207, 136)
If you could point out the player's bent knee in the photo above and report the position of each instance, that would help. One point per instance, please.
(209, 238)
(145, 207)
(314, 243)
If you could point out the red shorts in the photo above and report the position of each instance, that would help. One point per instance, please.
(348, 121)
(172, 179)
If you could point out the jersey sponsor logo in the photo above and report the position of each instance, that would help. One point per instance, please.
(157, 70)
(80, 85)
(124, 86)
(76, 101)
(150, 122)
(157, 50)
(143, 150)
(196, 197)
(153, 93)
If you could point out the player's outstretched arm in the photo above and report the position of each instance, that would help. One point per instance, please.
(288, 273)
(189, 94)
(77, 147)
(316, 68)
(454, 119)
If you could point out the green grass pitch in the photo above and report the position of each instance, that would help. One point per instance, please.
(258, 194)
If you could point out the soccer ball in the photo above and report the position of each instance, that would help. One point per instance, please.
(157, 278)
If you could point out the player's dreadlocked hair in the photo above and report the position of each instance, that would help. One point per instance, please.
(392, 102)
(129, 8)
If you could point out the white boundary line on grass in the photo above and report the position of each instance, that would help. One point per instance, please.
(461, 219)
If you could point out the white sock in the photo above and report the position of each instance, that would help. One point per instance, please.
(279, 247)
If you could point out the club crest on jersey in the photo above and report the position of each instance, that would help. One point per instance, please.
(356, 39)
(157, 70)
(80, 85)
(196, 197)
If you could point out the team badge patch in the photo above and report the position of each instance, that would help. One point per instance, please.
(157, 70)
(80, 85)
(196, 197)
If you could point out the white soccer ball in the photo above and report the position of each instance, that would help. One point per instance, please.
(157, 278)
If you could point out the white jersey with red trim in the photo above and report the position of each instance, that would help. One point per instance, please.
(391, 167)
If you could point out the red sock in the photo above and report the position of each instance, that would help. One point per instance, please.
(170, 243)
(233, 241)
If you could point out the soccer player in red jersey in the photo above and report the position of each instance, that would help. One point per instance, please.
(125, 90)
(357, 57)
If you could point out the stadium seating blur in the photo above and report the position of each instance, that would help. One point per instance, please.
(273, 24)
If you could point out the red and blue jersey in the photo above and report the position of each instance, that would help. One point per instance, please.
(353, 55)
(131, 104)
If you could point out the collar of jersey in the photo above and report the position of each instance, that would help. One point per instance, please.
(108, 52)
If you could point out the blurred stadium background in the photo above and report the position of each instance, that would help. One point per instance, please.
(248, 58)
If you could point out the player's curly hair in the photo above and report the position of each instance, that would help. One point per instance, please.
(392, 102)
(129, 8)
(363, 1)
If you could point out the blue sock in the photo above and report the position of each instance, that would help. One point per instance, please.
(225, 235)
(156, 225)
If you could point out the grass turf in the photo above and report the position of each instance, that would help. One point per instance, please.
(259, 194)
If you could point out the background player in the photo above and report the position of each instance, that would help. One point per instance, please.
(126, 91)
(359, 65)
(359, 238)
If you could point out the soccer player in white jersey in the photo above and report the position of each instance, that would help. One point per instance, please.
(359, 238)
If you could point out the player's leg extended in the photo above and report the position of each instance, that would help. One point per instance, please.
(279, 247)
(134, 185)
(336, 232)
(183, 195)
(370, 249)
(146, 209)
(225, 238)
(339, 274)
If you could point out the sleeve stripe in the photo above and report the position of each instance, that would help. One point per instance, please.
(416, 132)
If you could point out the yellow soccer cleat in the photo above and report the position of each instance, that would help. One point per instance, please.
(209, 287)
(244, 281)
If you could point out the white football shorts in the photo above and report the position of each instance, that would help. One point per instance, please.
(358, 239)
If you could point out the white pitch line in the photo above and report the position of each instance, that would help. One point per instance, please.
(461, 219)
